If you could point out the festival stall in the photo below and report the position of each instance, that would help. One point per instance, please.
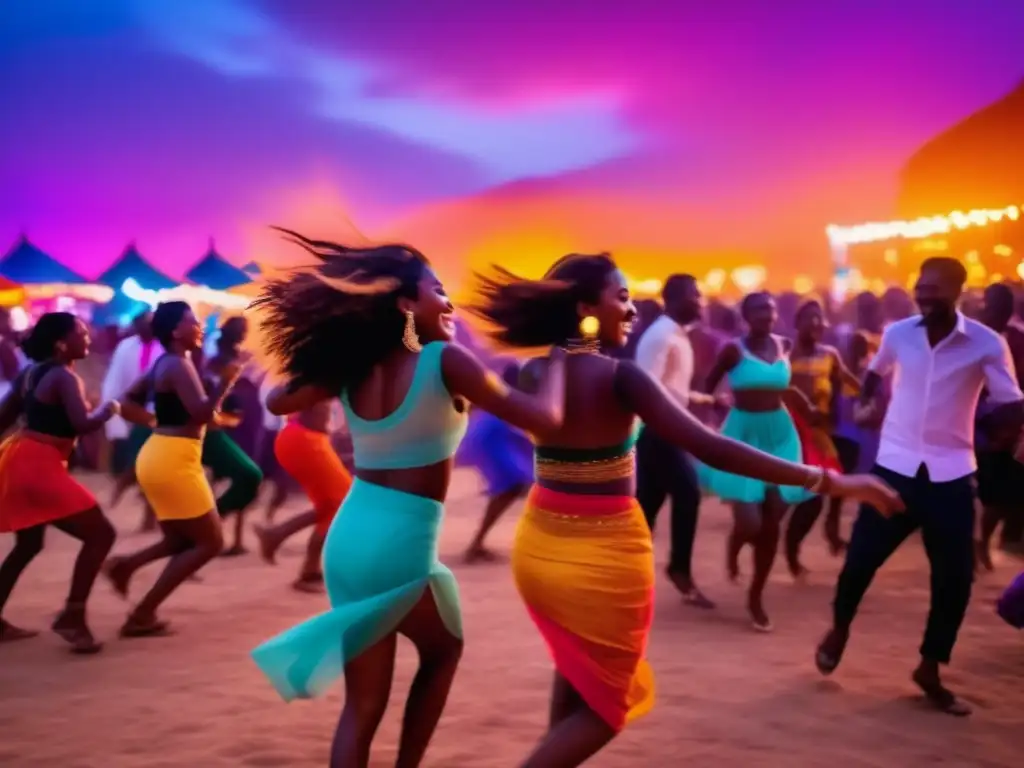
(49, 285)
(961, 194)
(11, 294)
(131, 265)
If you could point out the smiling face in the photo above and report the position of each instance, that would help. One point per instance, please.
(760, 314)
(77, 342)
(810, 322)
(432, 310)
(189, 332)
(614, 311)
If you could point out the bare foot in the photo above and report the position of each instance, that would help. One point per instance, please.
(268, 544)
(799, 573)
(116, 573)
(70, 626)
(10, 633)
(310, 585)
(480, 554)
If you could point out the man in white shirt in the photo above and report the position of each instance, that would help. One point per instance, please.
(663, 470)
(133, 356)
(940, 361)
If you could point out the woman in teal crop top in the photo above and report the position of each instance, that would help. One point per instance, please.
(375, 327)
(582, 559)
(758, 370)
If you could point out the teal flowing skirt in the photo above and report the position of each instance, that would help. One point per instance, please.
(769, 431)
(379, 557)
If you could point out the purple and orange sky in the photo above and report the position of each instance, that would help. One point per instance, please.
(705, 133)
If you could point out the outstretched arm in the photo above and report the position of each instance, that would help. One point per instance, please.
(655, 406)
(658, 410)
(536, 412)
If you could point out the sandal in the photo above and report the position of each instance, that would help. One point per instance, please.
(830, 651)
(10, 633)
(940, 696)
(76, 634)
(133, 628)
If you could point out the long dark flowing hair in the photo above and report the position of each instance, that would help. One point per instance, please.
(330, 323)
(539, 313)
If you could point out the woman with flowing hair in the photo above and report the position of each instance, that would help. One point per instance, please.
(583, 560)
(374, 327)
(36, 490)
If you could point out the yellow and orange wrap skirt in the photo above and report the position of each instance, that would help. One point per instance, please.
(584, 566)
(170, 473)
(35, 486)
(309, 458)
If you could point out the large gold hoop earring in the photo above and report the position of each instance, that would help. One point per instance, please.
(410, 338)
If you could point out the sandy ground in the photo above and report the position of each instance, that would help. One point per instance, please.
(727, 696)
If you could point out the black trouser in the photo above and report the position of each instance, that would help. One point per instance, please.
(664, 471)
(945, 514)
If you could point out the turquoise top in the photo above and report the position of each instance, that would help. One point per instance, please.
(425, 429)
(753, 372)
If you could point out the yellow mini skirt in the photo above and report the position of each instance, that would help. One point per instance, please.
(170, 472)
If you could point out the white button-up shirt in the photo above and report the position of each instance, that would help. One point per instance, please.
(935, 392)
(666, 353)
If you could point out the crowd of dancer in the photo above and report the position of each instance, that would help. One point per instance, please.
(611, 439)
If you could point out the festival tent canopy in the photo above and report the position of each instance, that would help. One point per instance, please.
(975, 164)
(215, 272)
(27, 265)
(132, 266)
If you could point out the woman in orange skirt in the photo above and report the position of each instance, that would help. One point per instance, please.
(303, 449)
(35, 487)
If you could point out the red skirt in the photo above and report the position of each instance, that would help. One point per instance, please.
(817, 445)
(35, 486)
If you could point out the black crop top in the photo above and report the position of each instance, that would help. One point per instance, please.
(45, 418)
(167, 406)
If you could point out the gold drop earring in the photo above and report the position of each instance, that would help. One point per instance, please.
(410, 338)
(588, 342)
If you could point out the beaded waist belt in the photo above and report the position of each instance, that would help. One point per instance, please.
(592, 471)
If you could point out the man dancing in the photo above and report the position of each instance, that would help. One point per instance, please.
(664, 471)
(941, 360)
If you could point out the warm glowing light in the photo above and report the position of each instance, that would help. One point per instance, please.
(1002, 250)
(193, 294)
(714, 281)
(972, 257)
(1020, 270)
(649, 287)
(877, 286)
(803, 284)
(925, 226)
(891, 257)
(976, 274)
(749, 279)
(995, 277)
(98, 294)
(931, 245)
